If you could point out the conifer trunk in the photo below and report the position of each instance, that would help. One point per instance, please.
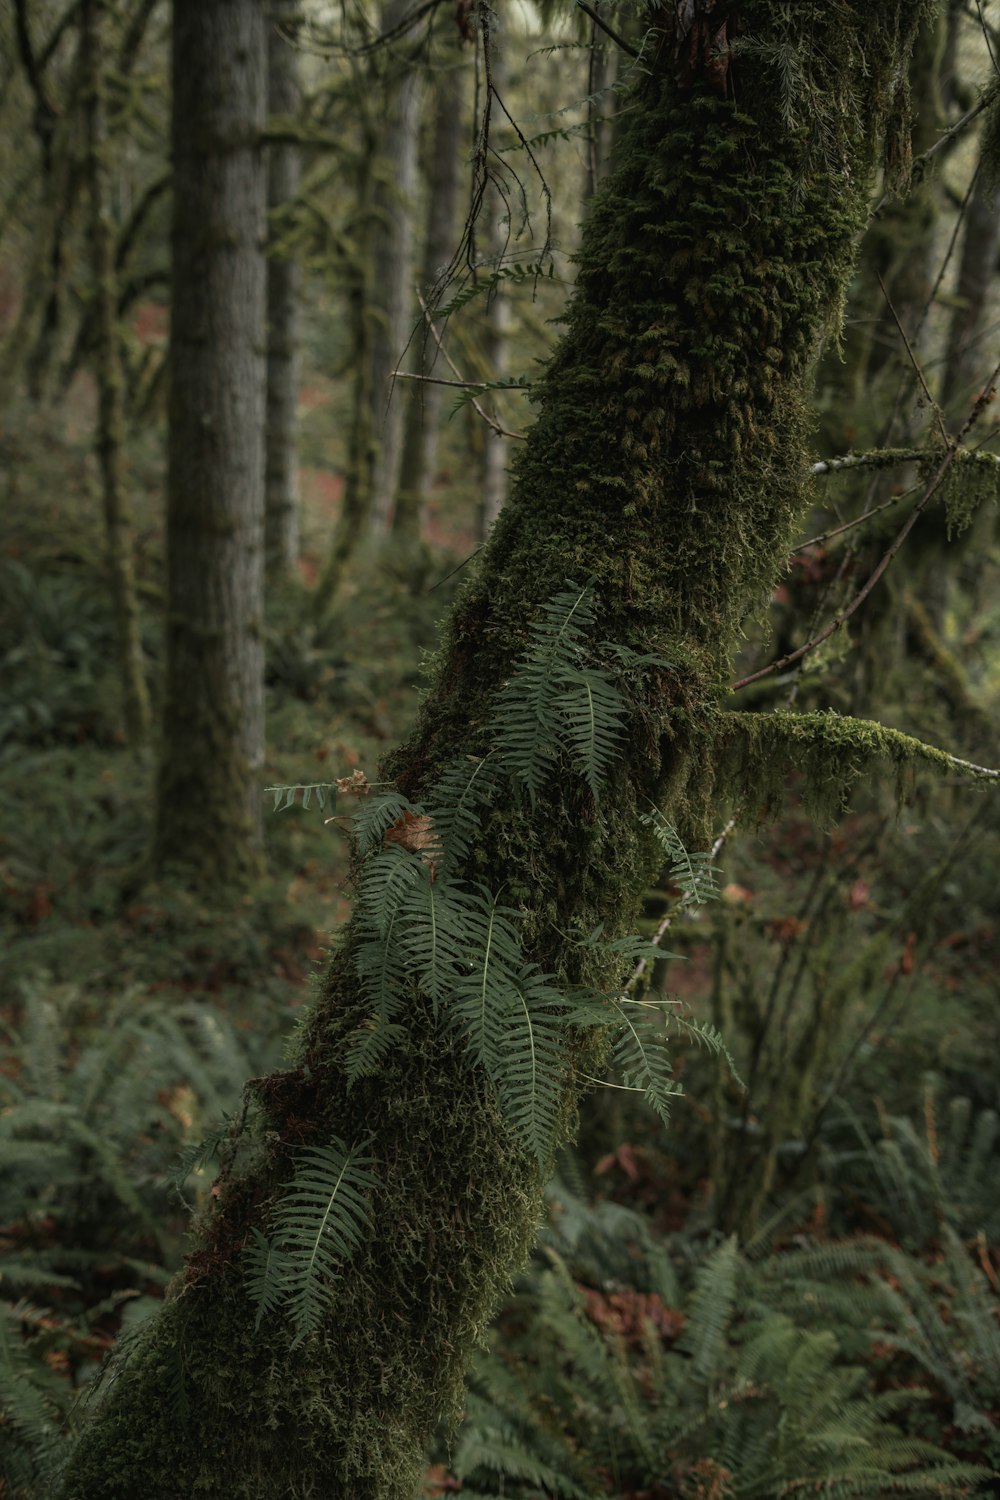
(393, 256)
(422, 405)
(281, 526)
(667, 464)
(110, 383)
(208, 809)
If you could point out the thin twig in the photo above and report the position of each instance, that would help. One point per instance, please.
(845, 614)
(914, 362)
(500, 431)
(618, 40)
(824, 536)
(466, 385)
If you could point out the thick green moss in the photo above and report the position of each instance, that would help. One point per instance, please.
(667, 465)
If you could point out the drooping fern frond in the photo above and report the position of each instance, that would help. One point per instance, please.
(318, 1224)
(483, 997)
(532, 1080)
(711, 1308)
(642, 1058)
(695, 874)
(456, 804)
(556, 702)
(324, 793)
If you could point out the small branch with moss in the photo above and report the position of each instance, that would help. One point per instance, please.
(845, 614)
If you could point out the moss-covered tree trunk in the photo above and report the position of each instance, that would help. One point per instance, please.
(666, 465)
(208, 804)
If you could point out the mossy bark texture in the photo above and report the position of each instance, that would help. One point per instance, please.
(207, 824)
(667, 465)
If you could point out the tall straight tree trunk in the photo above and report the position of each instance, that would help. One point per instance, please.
(281, 527)
(110, 384)
(496, 331)
(208, 794)
(422, 404)
(970, 357)
(392, 311)
(668, 467)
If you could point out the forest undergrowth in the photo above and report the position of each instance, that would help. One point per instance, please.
(815, 1255)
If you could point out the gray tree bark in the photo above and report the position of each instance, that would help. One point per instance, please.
(393, 266)
(110, 438)
(496, 329)
(422, 402)
(281, 526)
(969, 359)
(207, 823)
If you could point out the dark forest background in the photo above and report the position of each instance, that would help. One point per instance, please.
(792, 1286)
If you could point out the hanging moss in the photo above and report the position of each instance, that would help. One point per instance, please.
(832, 752)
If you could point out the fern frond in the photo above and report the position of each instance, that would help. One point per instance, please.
(531, 1084)
(263, 1274)
(483, 997)
(436, 922)
(324, 792)
(592, 713)
(456, 804)
(695, 874)
(199, 1154)
(529, 722)
(376, 815)
(711, 1308)
(642, 1059)
(317, 1225)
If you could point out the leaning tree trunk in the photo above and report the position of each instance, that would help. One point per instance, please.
(281, 507)
(110, 382)
(496, 330)
(207, 823)
(667, 467)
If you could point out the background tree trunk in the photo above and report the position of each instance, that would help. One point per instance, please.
(393, 265)
(110, 385)
(496, 327)
(281, 526)
(668, 465)
(969, 358)
(422, 402)
(208, 793)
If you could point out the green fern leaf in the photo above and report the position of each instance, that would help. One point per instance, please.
(456, 805)
(318, 1225)
(694, 873)
(483, 997)
(531, 1082)
(592, 713)
(641, 1056)
(376, 815)
(263, 1274)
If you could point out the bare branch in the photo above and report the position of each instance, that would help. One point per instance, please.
(618, 40)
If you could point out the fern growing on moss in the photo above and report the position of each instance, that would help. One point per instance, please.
(318, 1224)
(423, 927)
